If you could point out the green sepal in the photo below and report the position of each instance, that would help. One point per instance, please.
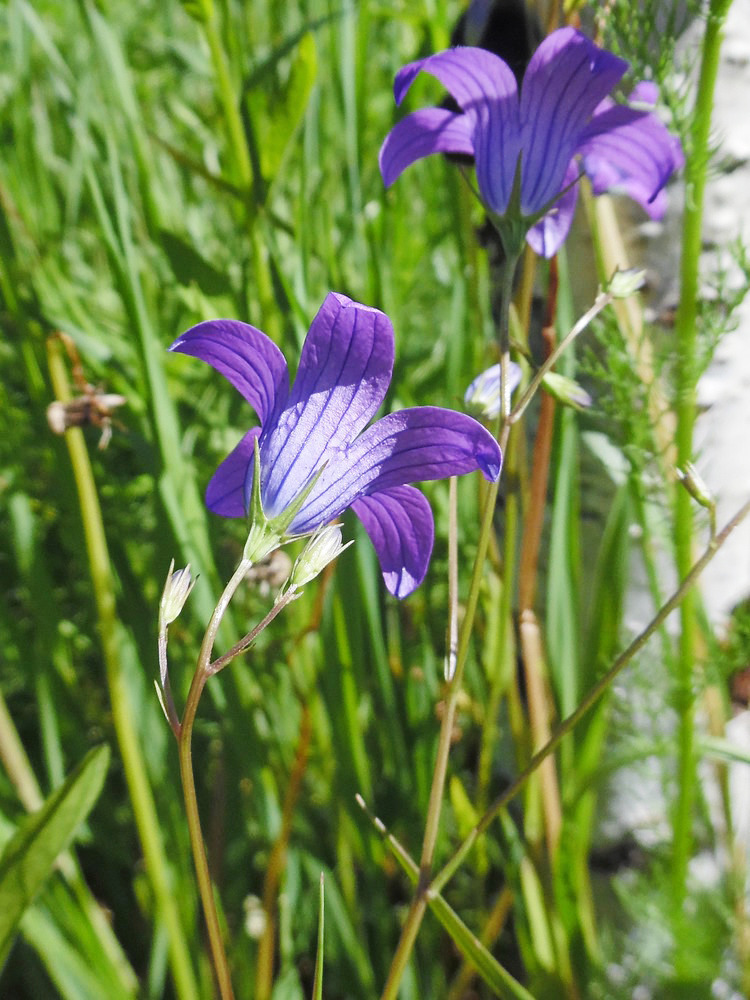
(267, 534)
(285, 518)
(263, 536)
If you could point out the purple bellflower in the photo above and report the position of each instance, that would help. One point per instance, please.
(530, 150)
(314, 454)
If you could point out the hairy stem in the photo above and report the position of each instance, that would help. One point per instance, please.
(686, 410)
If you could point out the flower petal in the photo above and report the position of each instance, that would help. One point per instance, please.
(410, 446)
(245, 356)
(549, 234)
(225, 493)
(431, 130)
(472, 75)
(343, 375)
(566, 79)
(399, 523)
(631, 150)
(485, 88)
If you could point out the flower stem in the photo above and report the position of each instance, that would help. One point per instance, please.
(507, 272)
(590, 699)
(532, 655)
(113, 639)
(419, 904)
(601, 302)
(185, 740)
(685, 405)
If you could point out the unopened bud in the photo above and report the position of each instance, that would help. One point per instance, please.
(325, 545)
(566, 391)
(176, 592)
(624, 283)
(482, 398)
(696, 487)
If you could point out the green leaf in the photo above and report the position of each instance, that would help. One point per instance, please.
(497, 978)
(287, 113)
(463, 810)
(318, 981)
(31, 852)
(189, 266)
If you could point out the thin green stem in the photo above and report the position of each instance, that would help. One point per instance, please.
(246, 641)
(500, 659)
(499, 980)
(450, 663)
(686, 410)
(590, 699)
(416, 913)
(185, 740)
(126, 729)
(601, 302)
(503, 338)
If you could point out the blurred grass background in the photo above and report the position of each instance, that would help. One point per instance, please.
(168, 163)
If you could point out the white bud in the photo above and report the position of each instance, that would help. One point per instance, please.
(695, 485)
(566, 390)
(483, 395)
(625, 283)
(176, 592)
(325, 545)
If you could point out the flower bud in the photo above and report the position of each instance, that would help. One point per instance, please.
(482, 398)
(324, 546)
(695, 485)
(176, 592)
(624, 283)
(566, 391)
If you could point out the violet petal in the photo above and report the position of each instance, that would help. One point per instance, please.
(566, 79)
(485, 88)
(409, 446)
(343, 375)
(245, 356)
(399, 523)
(549, 234)
(473, 76)
(431, 130)
(631, 151)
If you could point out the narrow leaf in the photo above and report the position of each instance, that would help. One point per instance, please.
(31, 852)
(318, 981)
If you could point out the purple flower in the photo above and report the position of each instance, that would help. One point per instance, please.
(531, 150)
(314, 451)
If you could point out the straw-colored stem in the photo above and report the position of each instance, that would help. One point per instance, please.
(126, 730)
(417, 911)
(185, 739)
(532, 653)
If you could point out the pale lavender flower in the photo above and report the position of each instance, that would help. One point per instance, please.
(530, 150)
(483, 395)
(316, 457)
